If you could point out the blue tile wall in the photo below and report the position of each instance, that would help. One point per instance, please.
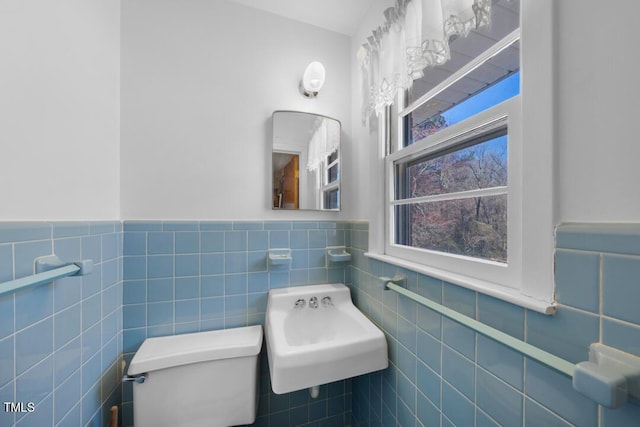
(182, 277)
(444, 374)
(61, 342)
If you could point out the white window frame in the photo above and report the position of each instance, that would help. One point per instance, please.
(327, 186)
(507, 112)
(531, 192)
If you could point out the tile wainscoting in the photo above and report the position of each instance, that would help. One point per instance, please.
(196, 276)
(156, 278)
(444, 374)
(61, 342)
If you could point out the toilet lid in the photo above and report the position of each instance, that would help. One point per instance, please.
(176, 350)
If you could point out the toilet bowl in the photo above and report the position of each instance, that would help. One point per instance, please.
(197, 379)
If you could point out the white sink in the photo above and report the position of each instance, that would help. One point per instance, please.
(308, 346)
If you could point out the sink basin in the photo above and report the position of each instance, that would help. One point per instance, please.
(315, 335)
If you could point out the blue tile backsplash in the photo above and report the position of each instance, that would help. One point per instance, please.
(196, 276)
(61, 343)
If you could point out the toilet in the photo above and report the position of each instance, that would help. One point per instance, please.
(198, 379)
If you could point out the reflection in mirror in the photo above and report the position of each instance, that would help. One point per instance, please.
(305, 161)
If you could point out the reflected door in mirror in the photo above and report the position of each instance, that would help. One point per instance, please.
(286, 181)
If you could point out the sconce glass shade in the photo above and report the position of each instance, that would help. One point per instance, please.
(313, 79)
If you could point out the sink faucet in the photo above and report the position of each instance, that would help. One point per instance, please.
(326, 302)
(313, 302)
(299, 304)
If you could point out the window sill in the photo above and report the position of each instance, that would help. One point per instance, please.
(512, 296)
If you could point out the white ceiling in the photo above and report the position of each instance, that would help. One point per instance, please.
(336, 15)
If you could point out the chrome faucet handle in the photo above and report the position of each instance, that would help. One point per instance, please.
(326, 302)
(313, 302)
(299, 304)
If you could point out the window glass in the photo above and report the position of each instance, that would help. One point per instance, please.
(467, 222)
(474, 227)
(482, 88)
(331, 199)
(481, 165)
(331, 168)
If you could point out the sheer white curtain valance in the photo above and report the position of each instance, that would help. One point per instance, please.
(325, 140)
(415, 35)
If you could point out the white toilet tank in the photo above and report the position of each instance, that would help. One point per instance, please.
(199, 379)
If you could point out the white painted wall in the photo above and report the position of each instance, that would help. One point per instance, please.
(367, 198)
(59, 109)
(598, 111)
(200, 80)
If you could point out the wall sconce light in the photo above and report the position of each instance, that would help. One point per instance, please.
(312, 79)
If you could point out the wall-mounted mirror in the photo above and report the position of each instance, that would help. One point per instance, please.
(306, 165)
